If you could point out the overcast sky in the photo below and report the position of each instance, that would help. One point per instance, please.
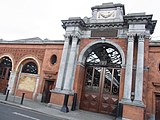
(20, 19)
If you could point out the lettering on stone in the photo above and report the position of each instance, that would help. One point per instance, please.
(104, 33)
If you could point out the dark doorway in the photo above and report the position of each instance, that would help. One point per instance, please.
(5, 69)
(49, 85)
(157, 107)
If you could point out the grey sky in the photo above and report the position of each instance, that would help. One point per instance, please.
(42, 18)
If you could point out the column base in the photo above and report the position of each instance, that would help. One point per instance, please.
(133, 112)
(125, 101)
(68, 92)
(137, 103)
(58, 90)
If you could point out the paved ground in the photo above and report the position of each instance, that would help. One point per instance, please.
(54, 110)
(10, 112)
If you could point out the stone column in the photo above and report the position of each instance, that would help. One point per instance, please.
(71, 65)
(63, 64)
(12, 81)
(129, 66)
(139, 70)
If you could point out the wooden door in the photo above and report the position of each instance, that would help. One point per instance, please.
(157, 107)
(101, 90)
(109, 91)
(90, 95)
(49, 85)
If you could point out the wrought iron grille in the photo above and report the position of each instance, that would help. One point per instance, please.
(30, 67)
(104, 56)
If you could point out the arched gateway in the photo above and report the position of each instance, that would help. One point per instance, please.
(98, 79)
(101, 85)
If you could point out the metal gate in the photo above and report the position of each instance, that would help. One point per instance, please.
(102, 80)
(101, 90)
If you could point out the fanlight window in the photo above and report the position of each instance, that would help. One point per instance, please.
(6, 62)
(30, 67)
(104, 56)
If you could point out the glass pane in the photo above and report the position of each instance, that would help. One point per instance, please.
(88, 76)
(96, 79)
(116, 82)
(92, 79)
(111, 81)
(107, 81)
(104, 55)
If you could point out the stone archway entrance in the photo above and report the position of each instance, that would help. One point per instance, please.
(102, 80)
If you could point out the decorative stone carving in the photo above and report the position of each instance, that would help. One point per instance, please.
(50, 75)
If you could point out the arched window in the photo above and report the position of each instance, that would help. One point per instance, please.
(104, 56)
(6, 61)
(30, 67)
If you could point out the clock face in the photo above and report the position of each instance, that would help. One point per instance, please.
(106, 14)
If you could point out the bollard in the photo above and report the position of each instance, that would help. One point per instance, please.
(22, 98)
(119, 110)
(7, 95)
(65, 107)
(74, 102)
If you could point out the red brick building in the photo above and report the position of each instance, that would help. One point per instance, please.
(108, 60)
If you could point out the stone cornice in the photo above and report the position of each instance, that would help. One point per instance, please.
(137, 18)
(141, 19)
(105, 25)
(73, 22)
(41, 42)
(80, 23)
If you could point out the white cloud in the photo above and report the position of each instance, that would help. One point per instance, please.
(42, 18)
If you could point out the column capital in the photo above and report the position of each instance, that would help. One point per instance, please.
(75, 38)
(141, 37)
(75, 35)
(130, 37)
(67, 36)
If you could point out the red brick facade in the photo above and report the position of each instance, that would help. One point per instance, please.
(41, 54)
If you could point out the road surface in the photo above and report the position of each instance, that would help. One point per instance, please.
(9, 112)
